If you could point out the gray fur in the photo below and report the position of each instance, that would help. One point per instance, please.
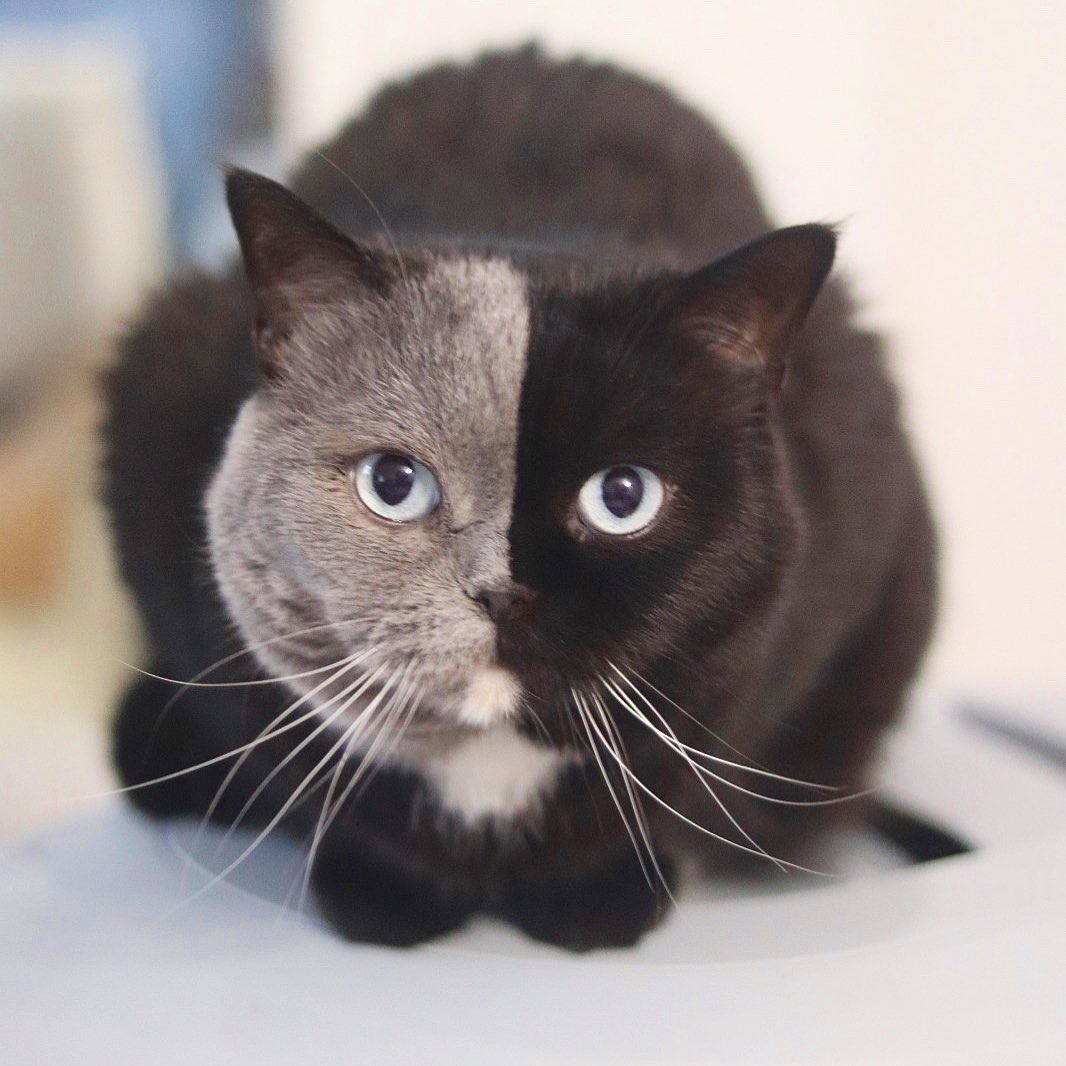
(434, 372)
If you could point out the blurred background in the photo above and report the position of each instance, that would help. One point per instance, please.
(934, 130)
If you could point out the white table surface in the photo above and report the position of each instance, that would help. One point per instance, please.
(104, 959)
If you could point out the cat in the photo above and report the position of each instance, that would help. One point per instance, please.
(533, 521)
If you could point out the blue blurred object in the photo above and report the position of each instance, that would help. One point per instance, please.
(204, 69)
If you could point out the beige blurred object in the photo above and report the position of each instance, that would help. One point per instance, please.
(66, 626)
(81, 206)
(80, 203)
(36, 457)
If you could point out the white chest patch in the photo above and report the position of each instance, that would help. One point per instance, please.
(495, 775)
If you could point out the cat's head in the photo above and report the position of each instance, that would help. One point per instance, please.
(490, 484)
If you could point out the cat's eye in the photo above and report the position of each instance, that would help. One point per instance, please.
(620, 499)
(396, 486)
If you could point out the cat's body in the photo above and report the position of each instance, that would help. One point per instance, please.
(540, 322)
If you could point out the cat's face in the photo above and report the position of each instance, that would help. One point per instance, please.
(488, 487)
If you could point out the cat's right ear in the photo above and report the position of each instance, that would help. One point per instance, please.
(294, 260)
(749, 306)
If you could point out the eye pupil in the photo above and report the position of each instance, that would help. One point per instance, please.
(623, 490)
(393, 478)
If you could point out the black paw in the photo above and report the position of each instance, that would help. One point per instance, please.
(373, 905)
(611, 908)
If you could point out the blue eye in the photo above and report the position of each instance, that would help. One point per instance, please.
(620, 499)
(396, 486)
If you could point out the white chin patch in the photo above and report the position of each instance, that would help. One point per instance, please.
(495, 775)
(491, 698)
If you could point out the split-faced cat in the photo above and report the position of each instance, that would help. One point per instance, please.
(534, 520)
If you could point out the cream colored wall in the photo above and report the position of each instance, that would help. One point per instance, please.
(980, 316)
(935, 130)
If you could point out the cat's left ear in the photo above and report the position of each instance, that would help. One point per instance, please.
(295, 262)
(749, 305)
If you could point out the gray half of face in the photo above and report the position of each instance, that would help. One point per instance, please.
(434, 372)
(365, 353)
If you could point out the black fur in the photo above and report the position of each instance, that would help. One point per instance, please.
(785, 597)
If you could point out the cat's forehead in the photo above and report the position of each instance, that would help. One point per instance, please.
(439, 366)
(468, 320)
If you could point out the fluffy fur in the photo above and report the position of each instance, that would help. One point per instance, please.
(560, 291)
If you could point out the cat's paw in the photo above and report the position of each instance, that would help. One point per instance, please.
(370, 904)
(612, 908)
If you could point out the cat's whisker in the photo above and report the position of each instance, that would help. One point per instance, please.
(539, 723)
(758, 771)
(387, 230)
(585, 716)
(226, 660)
(656, 798)
(252, 648)
(316, 837)
(716, 737)
(295, 795)
(349, 695)
(679, 750)
(237, 684)
(365, 723)
(349, 665)
(263, 738)
(376, 757)
(406, 695)
(615, 737)
(326, 815)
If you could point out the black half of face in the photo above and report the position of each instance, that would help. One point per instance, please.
(614, 379)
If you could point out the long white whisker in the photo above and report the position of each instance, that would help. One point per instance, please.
(694, 718)
(324, 816)
(236, 684)
(368, 766)
(349, 695)
(677, 748)
(701, 828)
(634, 800)
(539, 723)
(350, 664)
(381, 747)
(225, 660)
(286, 807)
(756, 770)
(683, 750)
(585, 715)
(215, 759)
(385, 229)
(197, 678)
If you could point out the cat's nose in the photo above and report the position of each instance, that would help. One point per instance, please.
(500, 600)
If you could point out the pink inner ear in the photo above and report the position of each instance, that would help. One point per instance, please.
(725, 332)
(750, 305)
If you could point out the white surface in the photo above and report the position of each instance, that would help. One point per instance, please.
(934, 130)
(960, 961)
